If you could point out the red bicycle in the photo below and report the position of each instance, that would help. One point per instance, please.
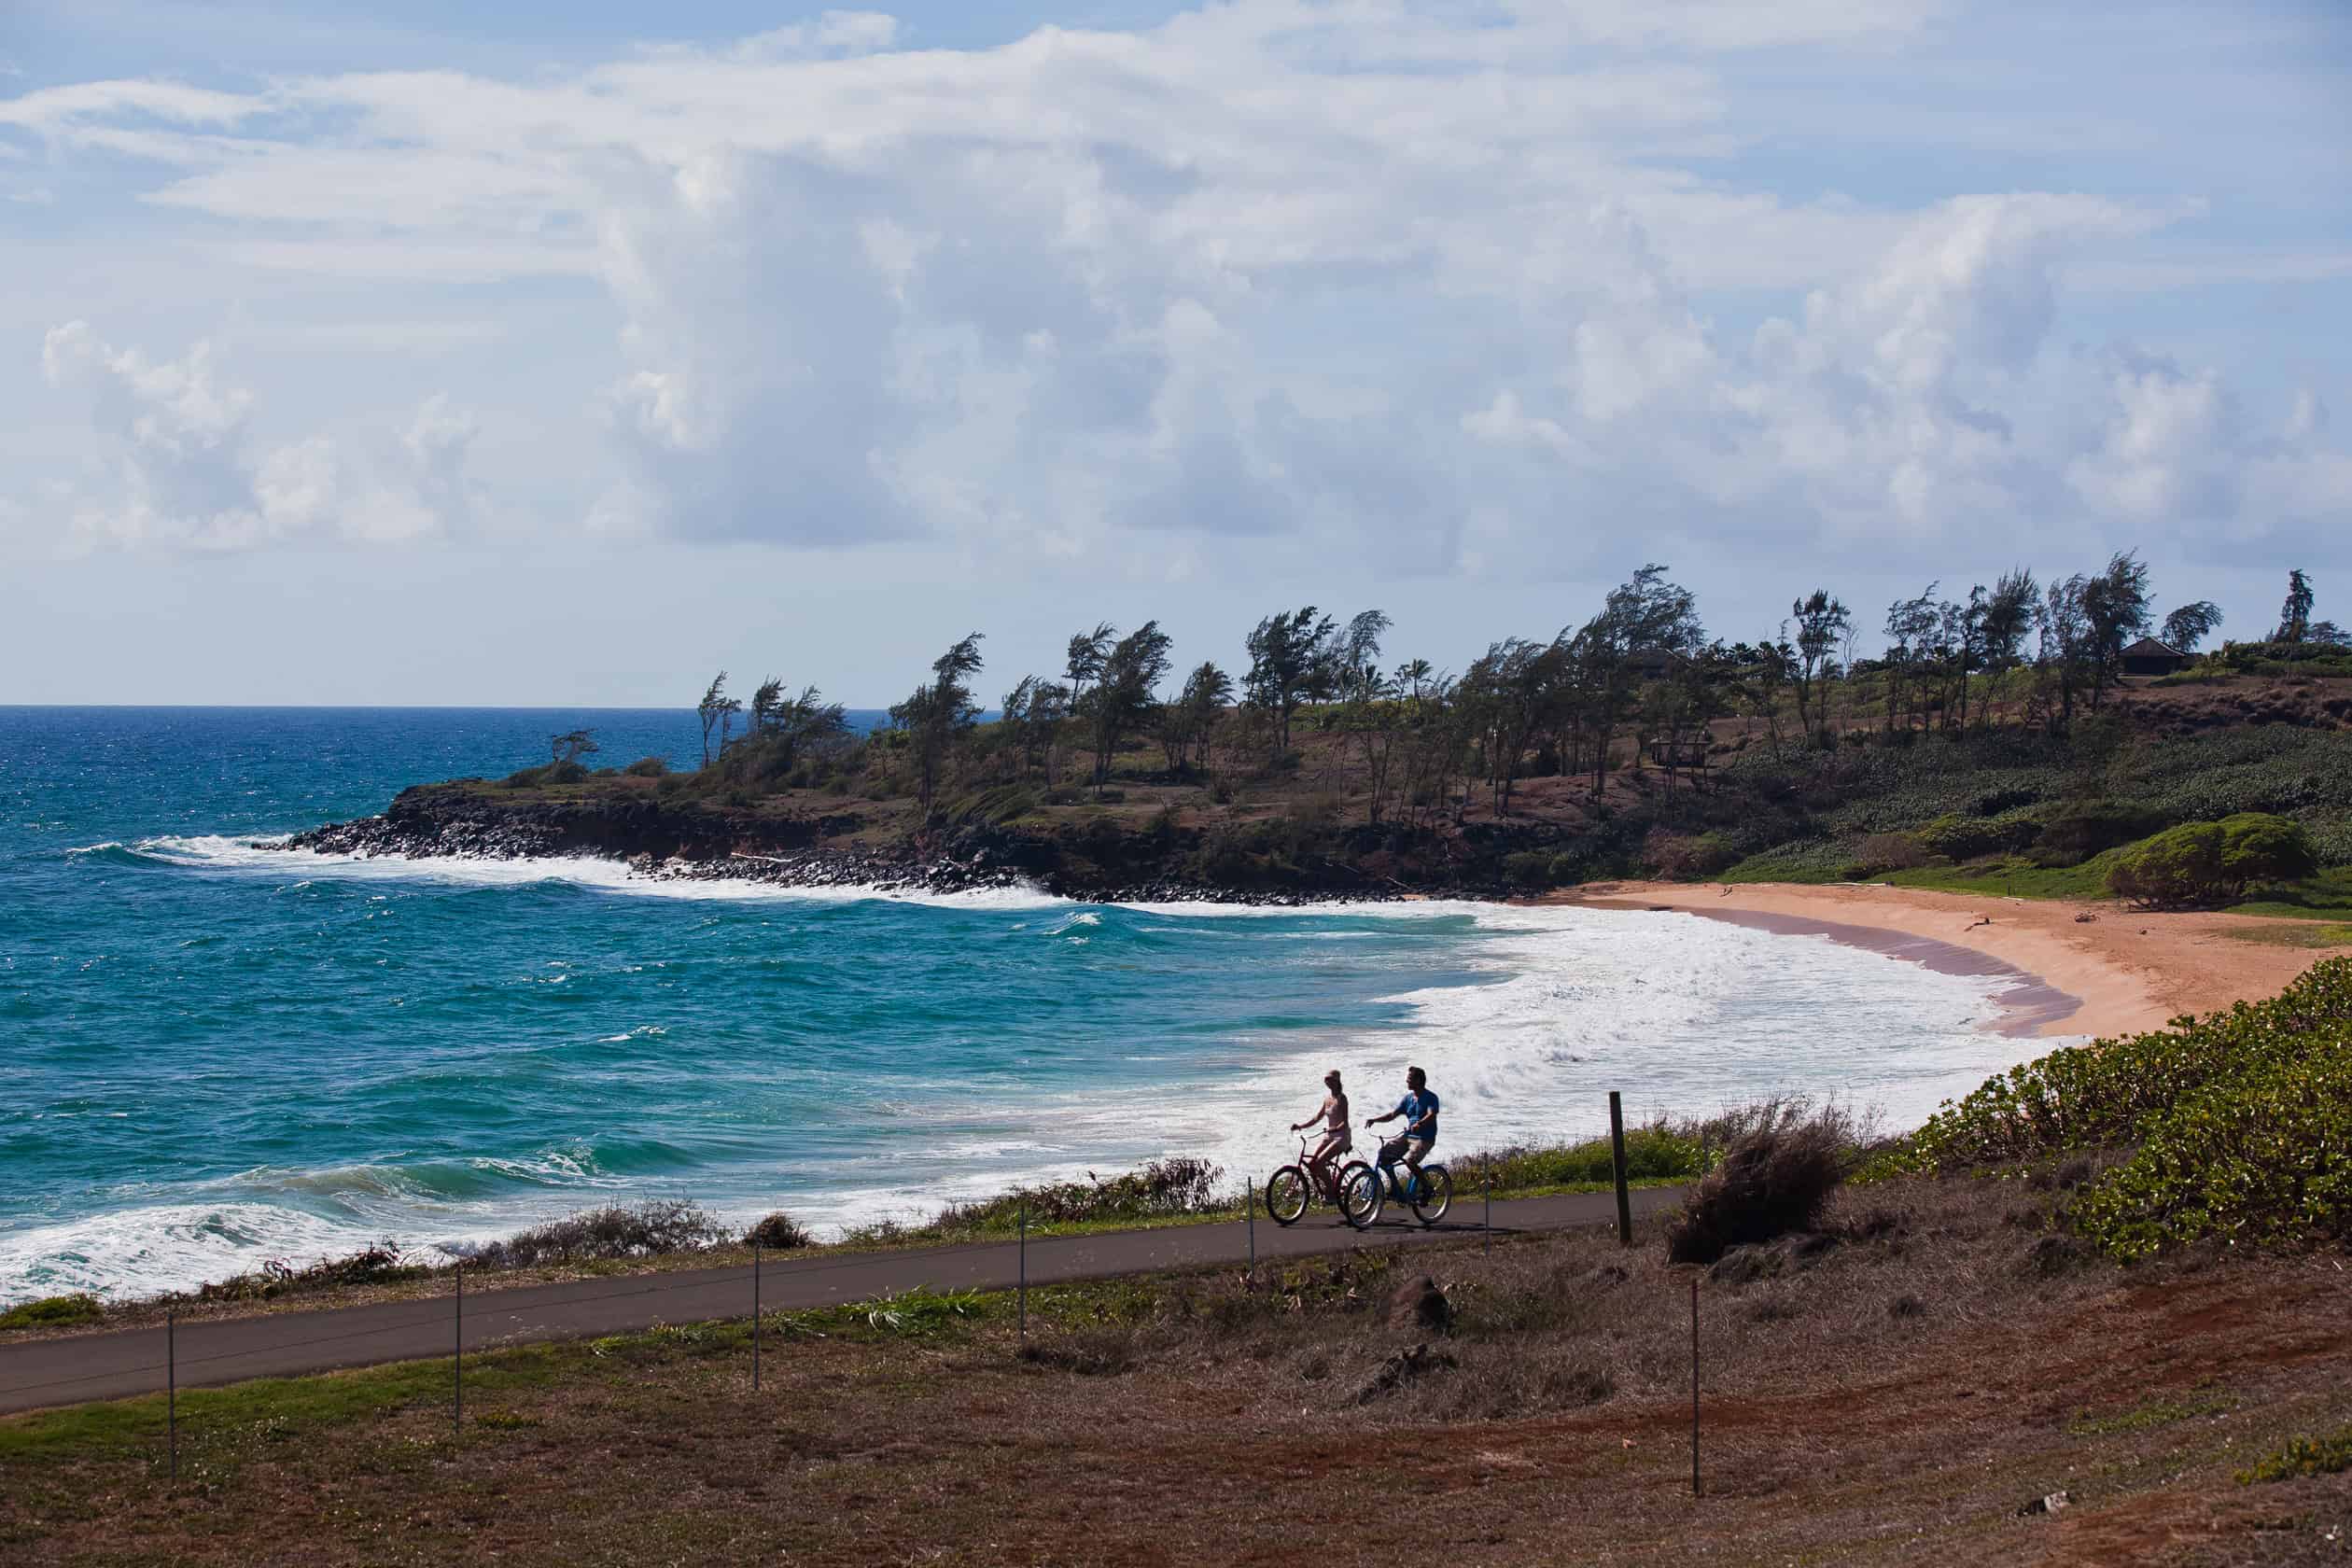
(1354, 1190)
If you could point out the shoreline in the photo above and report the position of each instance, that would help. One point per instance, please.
(2100, 970)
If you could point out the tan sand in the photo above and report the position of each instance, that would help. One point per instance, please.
(2124, 970)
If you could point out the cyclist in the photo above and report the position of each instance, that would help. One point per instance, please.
(1337, 1139)
(1420, 1110)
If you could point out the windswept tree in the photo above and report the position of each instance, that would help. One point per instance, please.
(2192, 624)
(938, 715)
(1122, 699)
(1356, 672)
(1033, 713)
(1821, 620)
(1291, 660)
(1911, 630)
(2115, 609)
(1188, 722)
(1087, 652)
(2294, 616)
(565, 750)
(2066, 652)
(712, 709)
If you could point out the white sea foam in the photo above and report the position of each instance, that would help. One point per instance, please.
(216, 852)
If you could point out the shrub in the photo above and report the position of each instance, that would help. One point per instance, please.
(660, 1226)
(1890, 851)
(2179, 865)
(2263, 1156)
(2208, 862)
(277, 1277)
(778, 1232)
(1110, 797)
(1529, 868)
(2302, 1457)
(1163, 1189)
(2076, 832)
(1684, 858)
(52, 1312)
(1963, 838)
(647, 767)
(1774, 1178)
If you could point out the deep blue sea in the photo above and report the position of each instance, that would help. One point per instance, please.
(213, 1053)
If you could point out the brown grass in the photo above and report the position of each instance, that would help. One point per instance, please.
(1190, 1420)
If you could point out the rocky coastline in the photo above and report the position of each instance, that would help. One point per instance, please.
(701, 843)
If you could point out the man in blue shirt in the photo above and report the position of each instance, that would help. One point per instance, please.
(1420, 1110)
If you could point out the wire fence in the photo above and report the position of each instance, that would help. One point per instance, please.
(402, 1333)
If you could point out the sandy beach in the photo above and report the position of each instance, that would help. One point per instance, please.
(2122, 972)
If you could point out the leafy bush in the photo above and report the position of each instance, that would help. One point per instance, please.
(1962, 838)
(1529, 868)
(1774, 1178)
(2302, 1457)
(2075, 832)
(2242, 1121)
(52, 1312)
(648, 767)
(2180, 865)
(778, 1232)
(2208, 862)
(1660, 1151)
(1889, 851)
(2263, 1156)
(1685, 858)
(651, 1229)
(1161, 1190)
(277, 1277)
(2083, 1098)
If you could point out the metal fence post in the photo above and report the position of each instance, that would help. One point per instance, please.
(1024, 1292)
(171, 1386)
(755, 1317)
(1487, 1243)
(1249, 1199)
(1694, 1385)
(457, 1416)
(1617, 1158)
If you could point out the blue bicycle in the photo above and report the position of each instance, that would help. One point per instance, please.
(1429, 1195)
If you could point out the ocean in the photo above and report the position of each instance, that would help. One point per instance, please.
(217, 1053)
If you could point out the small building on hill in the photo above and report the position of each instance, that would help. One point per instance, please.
(2149, 656)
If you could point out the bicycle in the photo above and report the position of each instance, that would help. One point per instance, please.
(1352, 1189)
(1428, 1194)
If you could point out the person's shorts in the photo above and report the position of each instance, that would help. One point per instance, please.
(1333, 1146)
(1413, 1151)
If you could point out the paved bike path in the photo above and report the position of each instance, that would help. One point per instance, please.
(67, 1371)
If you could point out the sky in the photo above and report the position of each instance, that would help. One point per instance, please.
(564, 353)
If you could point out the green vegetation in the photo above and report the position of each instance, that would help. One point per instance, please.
(2240, 1123)
(52, 1312)
(2213, 862)
(2148, 1414)
(2302, 1457)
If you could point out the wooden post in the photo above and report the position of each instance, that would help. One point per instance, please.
(1694, 1385)
(1024, 1292)
(171, 1386)
(457, 1416)
(1249, 1198)
(1617, 1158)
(755, 1317)
(1486, 1242)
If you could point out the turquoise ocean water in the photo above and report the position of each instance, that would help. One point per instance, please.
(213, 1054)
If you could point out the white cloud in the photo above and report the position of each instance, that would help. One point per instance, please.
(1441, 284)
(180, 465)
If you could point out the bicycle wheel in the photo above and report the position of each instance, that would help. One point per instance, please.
(1360, 1196)
(1287, 1195)
(1433, 1195)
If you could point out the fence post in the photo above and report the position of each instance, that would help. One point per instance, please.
(1249, 1199)
(1617, 1158)
(171, 1386)
(1024, 1292)
(1694, 1385)
(755, 1317)
(457, 1417)
(1487, 1243)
